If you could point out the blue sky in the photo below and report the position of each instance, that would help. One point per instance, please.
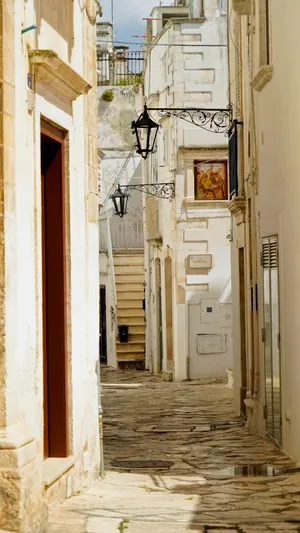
(128, 16)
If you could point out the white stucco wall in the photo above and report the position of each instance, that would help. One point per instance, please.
(23, 258)
(190, 76)
(274, 191)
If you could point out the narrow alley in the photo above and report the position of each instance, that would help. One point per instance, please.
(178, 459)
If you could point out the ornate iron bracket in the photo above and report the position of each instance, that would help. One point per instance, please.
(213, 120)
(160, 190)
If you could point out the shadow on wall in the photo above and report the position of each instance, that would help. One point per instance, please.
(59, 14)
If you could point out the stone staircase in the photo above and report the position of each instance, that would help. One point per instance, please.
(129, 275)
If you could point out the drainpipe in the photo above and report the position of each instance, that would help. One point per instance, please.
(100, 421)
(112, 269)
(188, 368)
(196, 9)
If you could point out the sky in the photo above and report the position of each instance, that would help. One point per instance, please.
(128, 16)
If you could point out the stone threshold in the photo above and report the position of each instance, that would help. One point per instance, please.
(56, 467)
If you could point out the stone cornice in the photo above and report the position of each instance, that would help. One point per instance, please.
(263, 76)
(237, 206)
(50, 68)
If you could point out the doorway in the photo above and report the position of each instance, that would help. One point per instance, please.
(103, 338)
(243, 347)
(169, 311)
(272, 338)
(54, 293)
(159, 315)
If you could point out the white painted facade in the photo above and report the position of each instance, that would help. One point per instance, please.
(64, 96)
(266, 93)
(187, 75)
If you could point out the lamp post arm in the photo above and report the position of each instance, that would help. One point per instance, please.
(160, 190)
(213, 120)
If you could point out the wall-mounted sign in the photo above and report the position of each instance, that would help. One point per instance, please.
(200, 261)
(211, 343)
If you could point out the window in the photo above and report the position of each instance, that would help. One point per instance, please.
(210, 180)
(271, 337)
(223, 7)
(264, 32)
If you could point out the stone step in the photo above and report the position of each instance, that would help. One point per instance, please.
(137, 337)
(129, 269)
(134, 303)
(130, 312)
(124, 294)
(125, 260)
(136, 321)
(131, 346)
(130, 356)
(128, 280)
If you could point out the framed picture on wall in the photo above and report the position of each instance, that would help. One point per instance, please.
(210, 180)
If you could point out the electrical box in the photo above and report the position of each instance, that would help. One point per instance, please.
(209, 311)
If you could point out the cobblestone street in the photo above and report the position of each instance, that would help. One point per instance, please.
(200, 487)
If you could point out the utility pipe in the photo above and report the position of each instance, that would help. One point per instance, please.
(196, 9)
(100, 421)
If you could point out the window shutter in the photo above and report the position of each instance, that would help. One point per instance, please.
(270, 253)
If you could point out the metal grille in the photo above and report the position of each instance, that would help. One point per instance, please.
(120, 67)
(270, 253)
(123, 234)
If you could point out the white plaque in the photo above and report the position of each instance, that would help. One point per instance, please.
(211, 343)
(200, 261)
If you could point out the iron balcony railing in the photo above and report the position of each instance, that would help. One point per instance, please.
(121, 67)
(124, 234)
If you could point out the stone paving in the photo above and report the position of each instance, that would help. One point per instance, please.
(146, 419)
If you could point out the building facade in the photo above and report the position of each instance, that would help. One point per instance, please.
(265, 92)
(49, 442)
(188, 275)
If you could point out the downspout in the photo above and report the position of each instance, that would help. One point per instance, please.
(196, 8)
(112, 268)
(100, 421)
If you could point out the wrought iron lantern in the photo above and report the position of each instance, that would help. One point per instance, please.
(120, 201)
(212, 120)
(145, 129)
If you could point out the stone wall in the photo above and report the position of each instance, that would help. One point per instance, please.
(22, 468)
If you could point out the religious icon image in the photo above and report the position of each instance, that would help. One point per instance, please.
(210, 180)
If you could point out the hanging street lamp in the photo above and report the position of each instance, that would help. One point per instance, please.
(145, 129)
(120, 201)
(165, 191)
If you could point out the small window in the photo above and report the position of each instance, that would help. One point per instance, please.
(210, 180)
(264, 32)
(223, 7)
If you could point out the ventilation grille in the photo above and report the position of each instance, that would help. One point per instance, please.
(270, 253)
